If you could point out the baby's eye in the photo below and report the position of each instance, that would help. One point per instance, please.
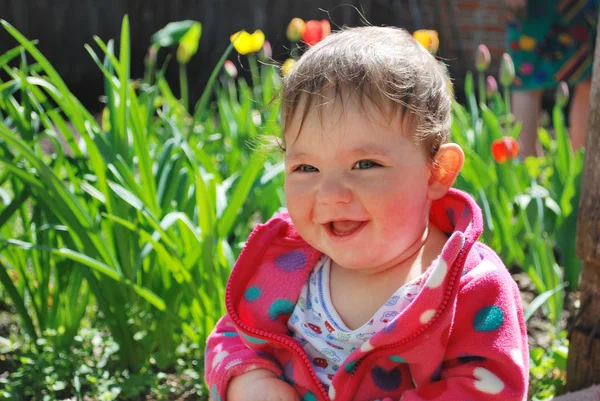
(306, 168)
(365, 164)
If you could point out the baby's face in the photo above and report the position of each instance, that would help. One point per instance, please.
(356, 187)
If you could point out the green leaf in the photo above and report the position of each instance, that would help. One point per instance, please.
(202, 105)
(172, 33)
(540, 300)
(242, 189)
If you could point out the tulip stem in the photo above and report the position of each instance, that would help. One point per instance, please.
(255, 78)
(183, 86)
(482, 94)
(507, 107)
(254, 70)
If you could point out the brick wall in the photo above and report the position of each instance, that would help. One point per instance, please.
(462, 26)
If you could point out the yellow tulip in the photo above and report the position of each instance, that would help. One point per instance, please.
(287, 66)
(188, 45)
(246, 43)
(428, 39)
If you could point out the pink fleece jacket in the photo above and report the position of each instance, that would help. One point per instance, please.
(462, 338)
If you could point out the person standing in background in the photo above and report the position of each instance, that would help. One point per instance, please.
(551, 41)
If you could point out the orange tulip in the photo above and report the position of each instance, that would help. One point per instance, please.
(505, 149)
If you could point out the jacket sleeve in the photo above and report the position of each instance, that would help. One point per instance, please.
(226, 356)
(487, 356)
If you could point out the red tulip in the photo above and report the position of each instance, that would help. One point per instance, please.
(326, 27)
(505, 149)
(313, 32)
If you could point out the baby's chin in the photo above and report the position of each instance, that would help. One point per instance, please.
(359, 263)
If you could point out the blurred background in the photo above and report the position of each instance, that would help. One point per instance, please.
(64, 26)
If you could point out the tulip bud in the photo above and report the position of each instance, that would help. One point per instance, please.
(562, 94)
(482, 58)
(267, 50)
(295, 29)
(507, 70)
(230, 69)
(287, 66)
(491, 86)
(150, 58)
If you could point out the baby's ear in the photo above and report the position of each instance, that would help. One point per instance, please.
(445, 168)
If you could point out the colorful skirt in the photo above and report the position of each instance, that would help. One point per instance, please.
(554, 42)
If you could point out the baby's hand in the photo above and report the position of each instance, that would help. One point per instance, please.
(260, 385)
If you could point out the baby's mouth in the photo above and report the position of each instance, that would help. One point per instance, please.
(345, 227)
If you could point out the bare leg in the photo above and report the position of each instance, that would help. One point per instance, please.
(526, 107)
(580, 108)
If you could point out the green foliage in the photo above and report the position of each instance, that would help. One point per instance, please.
(89, 370)
(547, 368)
(530, 205)
(136, 217)
(141, 213)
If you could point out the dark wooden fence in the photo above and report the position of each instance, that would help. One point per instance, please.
(64, 26)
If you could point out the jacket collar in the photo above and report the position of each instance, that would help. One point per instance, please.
(276, 262)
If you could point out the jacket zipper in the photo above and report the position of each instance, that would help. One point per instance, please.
(277, 338)
(297, 349)
(459, 259)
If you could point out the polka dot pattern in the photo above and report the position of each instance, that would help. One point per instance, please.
(427, 316)
(487, 382)
(437, 373)
(288, 370)
(219, 358)
(438, 275)
(489, 318)
(386, 380)
(291, 261)
(214, 393)
(252, 294)
(332, 393)
(280, 307)
(470, 358)
(516, 356)
(366, 346)
(253, 340)
(349, 368)
(390, 327)
(309, 397)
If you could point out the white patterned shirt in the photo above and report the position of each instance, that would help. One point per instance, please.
(324, 336)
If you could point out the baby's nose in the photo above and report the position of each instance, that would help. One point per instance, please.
(334, 191)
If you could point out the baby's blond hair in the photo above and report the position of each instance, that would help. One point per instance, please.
(382, 65)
